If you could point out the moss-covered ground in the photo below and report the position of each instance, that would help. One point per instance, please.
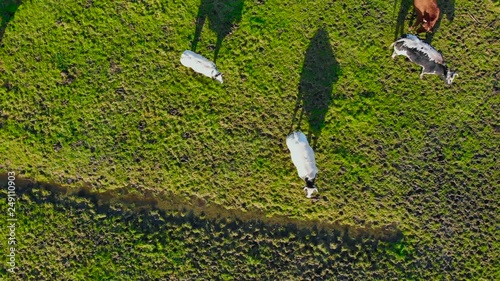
(92, 94)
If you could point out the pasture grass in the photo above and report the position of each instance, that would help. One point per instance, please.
(92, 93)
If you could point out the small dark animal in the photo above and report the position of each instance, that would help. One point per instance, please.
(423, 54)
(427, 15)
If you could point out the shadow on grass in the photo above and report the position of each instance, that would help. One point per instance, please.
(319, 72)
(447, 8)
(404, 10)
(116, 202)
(7, 10)
(222, 15)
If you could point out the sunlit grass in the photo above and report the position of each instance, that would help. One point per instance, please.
(92, 92)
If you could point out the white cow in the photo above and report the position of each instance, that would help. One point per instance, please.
(303, 159)
(201, 65)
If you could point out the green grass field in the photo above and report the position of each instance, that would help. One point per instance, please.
(93, 99)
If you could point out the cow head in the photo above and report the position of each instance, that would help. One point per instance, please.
(450, 75)
(310, 188)
(431, 21)
(218, 77)
(310, 191)
(426, 25)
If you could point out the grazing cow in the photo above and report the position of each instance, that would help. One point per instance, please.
(201, 65)
(303, 159)
(427, 15)
(423, 54)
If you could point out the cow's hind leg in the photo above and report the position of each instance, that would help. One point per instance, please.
(422, 73)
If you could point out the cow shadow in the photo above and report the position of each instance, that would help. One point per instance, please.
(447, 8)
(7, 10)
(404, 11)
(319, 72)
(222, 15)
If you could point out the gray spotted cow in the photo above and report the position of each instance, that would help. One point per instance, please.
(423, 54)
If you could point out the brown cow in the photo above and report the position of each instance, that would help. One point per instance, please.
(427, 15)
